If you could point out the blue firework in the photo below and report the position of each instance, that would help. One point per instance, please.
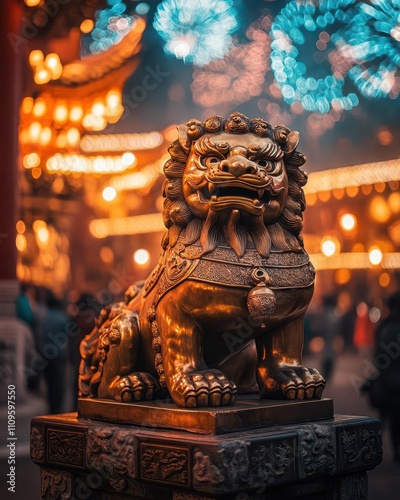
(372, 42)
(194, 31)
(288, 33)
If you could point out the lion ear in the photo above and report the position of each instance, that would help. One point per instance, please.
(183, 138)
(293, 140)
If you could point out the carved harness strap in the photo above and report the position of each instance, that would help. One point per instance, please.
(281, 270)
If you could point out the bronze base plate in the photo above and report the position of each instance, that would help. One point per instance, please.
(249, 412)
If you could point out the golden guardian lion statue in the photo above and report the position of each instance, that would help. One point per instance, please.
(233, 274)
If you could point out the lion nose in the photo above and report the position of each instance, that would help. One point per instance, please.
(238, 165)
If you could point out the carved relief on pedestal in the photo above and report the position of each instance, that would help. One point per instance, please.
(164, 464)
(111, 452)
(242, 465)
(317, 451)
(37, 445)
(360, 447)
(66, 448)
(56, 485)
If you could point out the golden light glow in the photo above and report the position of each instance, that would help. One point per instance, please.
(139, 224)
(342, 276)
(141, 257)
(20, 242)
(106, 255)
(113, 99)
(38, 224)
(36, 172)
(20, 226)
(375, 256)
(74, 163)
(53, 64)
(76, 113)
(121, 142)
(27, 105)
(139, 180)
(128, 159)
(60, 113)
(98, 109)
(86, 26)
(39, 108)
(42, 76)
(348, 222)
(45, 136)
(34, 131)
(43, 234)
(359, 175)
(384, 280)
(31, 160)
(35, 58)
(73, 136)
(379, 209)
(330, 245)
(109, 193)
(32, 3)
(394, 202)
(353, 260)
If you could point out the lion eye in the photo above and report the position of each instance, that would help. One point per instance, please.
(270, 166)
(210, 160)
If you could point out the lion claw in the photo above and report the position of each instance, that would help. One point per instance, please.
(291, 382)
(204, 388)
(137, 386)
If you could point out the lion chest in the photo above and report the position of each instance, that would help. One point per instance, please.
(222, 268)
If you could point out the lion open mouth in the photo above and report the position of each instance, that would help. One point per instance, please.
(251, 199)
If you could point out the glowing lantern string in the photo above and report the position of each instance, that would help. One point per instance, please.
(194, 31)
(288, 33)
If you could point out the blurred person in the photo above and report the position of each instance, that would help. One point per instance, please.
(347, 321)
(24, 304)
(363, 331)
(54, 342)
(384, 389)
(330, 323)
(86, 309)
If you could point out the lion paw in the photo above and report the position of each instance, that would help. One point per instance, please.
(203, 388)
(138, 386)
(291, 382)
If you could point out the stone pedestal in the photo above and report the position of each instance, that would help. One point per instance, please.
(88, 459)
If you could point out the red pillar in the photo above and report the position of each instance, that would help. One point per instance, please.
(10, 83)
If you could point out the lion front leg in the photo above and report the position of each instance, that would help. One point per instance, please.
(280, 373)
(190, 382)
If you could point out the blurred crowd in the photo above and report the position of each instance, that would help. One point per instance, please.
(338, 326)
(57, 327)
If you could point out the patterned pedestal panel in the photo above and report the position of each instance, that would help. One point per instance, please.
(83, 459)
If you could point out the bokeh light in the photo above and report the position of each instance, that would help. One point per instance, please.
(111, 26)
(375, 255)
(330, 245)
(240, 75)
(371, 42)
(348, 222)
(141, 257)
(289, 31)
(109, 193)
(194, 31)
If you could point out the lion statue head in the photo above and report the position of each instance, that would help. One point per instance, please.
(235, 176)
